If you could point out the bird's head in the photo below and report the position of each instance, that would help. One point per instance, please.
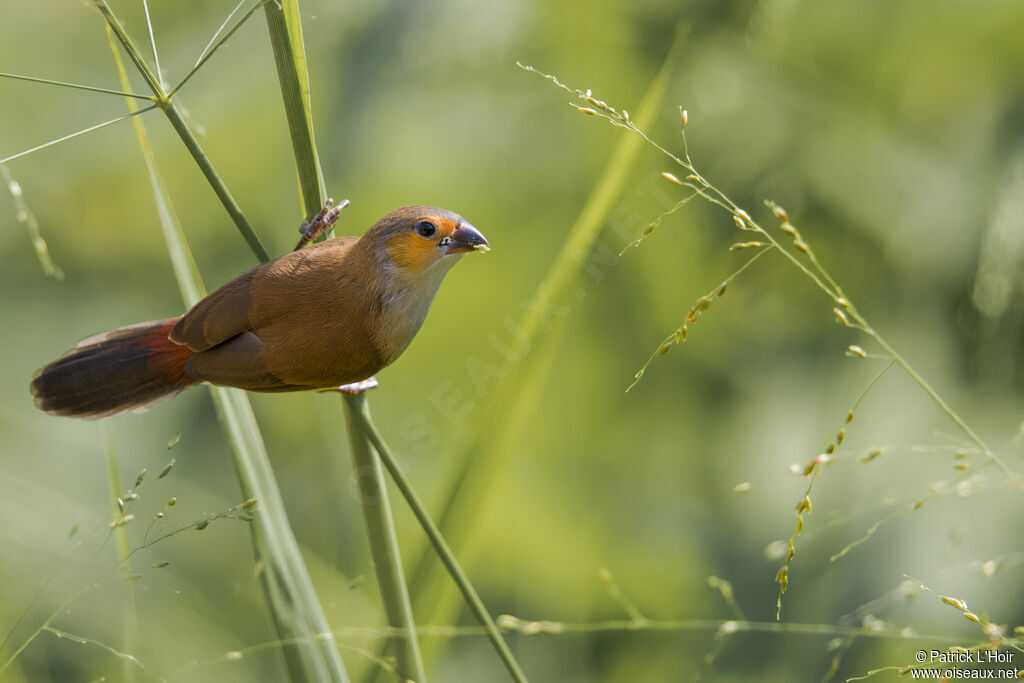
(420, 243)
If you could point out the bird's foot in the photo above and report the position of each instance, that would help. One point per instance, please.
(321, 223)
(356, 388)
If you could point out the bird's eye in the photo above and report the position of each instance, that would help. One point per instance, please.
(425, 229)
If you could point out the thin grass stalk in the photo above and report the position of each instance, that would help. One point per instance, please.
(185, 132)
(440, 546)
(289, 54)
(310, 653)
(387, 560)
(123, 549)
(487, 451)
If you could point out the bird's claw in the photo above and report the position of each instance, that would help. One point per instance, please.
(356, 388)
(321, 223)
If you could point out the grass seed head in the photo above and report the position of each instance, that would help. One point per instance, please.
(954, 602)
(683, 117)
(166, 469)
(782, 578)
(746, 245)
(172, 501)
(127, 519)
(671, 178)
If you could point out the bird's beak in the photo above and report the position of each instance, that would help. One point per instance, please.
(466, 238)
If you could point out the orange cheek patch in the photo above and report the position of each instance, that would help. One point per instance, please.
(411, 252)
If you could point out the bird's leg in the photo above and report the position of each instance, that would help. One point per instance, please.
(356, 388)
(321, 223)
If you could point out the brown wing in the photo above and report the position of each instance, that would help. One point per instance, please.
(246, 334)
(226, 311)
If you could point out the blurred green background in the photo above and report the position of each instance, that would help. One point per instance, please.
(892, 133)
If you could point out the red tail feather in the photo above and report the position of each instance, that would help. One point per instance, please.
(128, 368)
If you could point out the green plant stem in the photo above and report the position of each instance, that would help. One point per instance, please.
(310, 653)
(387, 560)
(185, 132)
(221, 190)
(212, 48)
(69, 136)
(77, 86)
(476, 605)
(129, 614)
(290, 56)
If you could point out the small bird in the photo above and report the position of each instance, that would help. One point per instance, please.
(324, 317)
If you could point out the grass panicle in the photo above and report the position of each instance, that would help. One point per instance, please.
(801, 255)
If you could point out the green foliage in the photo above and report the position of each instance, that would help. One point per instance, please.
(889, 134)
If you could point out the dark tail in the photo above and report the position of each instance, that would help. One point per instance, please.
(128, 368)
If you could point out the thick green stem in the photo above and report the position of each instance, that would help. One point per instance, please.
(387, 561)
(476, 605)
(289, 54)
